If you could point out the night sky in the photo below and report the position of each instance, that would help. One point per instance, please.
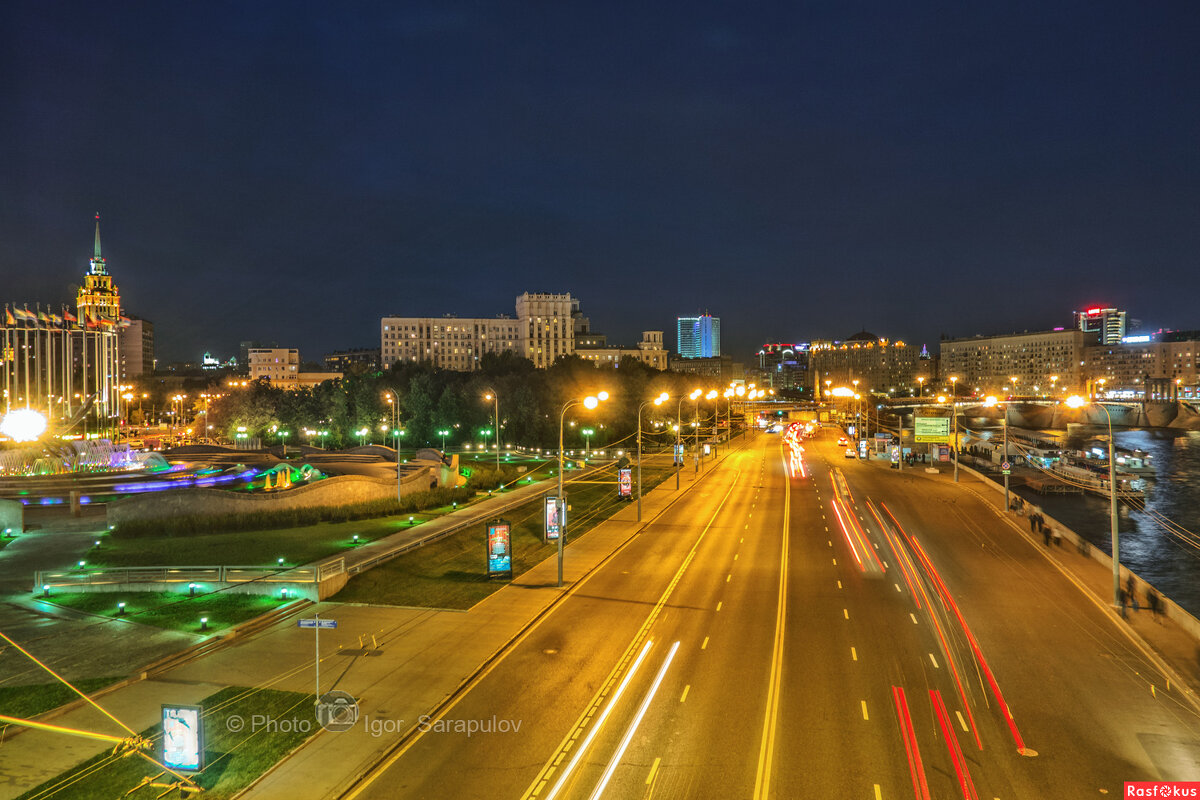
(800, 170)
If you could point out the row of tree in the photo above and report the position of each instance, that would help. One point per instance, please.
(432, 400)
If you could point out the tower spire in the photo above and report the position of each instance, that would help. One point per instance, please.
(97, 234)
(97, 260)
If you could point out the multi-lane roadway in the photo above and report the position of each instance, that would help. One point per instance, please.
(811, 627)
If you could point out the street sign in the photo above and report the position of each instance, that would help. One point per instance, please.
(1006, 467)
(499, 548)
(316, 623)
(931, 429)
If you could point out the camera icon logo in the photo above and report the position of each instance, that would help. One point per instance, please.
(337, 711)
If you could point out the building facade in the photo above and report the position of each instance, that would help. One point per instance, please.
(548, 323)
(878, 364)
(1126, 368)
(365, 358)
(281, 366)
(136, 345)
(446, 342)
(1038, 361)
(649, 350)
(698, 337)
(723, 368)
(783, 365)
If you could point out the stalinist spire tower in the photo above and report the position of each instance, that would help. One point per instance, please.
(99, 309)
(98, 299)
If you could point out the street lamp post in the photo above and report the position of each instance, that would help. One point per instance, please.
(679, 433)
(443, 432)
(393, 398)
(590, 402)
(1076, 402)
(954, 414)
(658, 401)
(495, 398)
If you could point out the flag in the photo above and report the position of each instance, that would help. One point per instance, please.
(9, 319)
(126, 322)
(42, 318)
(68, 316)
(56, 320)
(25, 315)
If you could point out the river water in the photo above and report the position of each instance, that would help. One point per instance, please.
(1159, 556)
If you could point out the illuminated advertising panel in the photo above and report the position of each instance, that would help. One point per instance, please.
(625, 482)
(183, 738)
(555, 516)
(499, 549)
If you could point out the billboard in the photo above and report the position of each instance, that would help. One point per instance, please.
(625, 482)
(931, 429)
(183, 738)
(499, 549)
(555, 517)
(679, 455)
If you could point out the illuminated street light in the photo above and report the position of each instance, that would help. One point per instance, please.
(590, 402)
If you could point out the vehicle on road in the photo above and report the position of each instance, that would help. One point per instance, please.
(843, 441)
(850, 452)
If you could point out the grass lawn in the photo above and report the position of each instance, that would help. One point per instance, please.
(30, 700)
(172, 610)
(233, 758)
(450, 573)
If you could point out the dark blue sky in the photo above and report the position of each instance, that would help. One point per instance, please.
(801, 170)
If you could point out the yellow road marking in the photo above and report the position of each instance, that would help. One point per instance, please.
(686, 689)
(704, 644)
(864, 709)
(653, 770)
(853, 654)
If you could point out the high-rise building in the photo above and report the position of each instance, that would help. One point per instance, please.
(783, 366)
(1107, 323)
(698, 337)
(281, 366)
(136, 344)
(98, 305)
(447, 342)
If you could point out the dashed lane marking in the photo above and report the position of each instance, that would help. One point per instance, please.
(914, 617)
(704, 644)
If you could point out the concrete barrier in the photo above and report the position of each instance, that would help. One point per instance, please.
(1168, 607)
(12, 516)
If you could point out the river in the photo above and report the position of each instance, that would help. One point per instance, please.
(1161, 557)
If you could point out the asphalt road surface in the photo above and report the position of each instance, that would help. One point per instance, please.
(855, 632)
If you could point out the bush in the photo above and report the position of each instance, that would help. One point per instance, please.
(192, 524)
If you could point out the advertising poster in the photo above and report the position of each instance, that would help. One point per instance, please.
(625, 482)
(554, 518)
(499, 549)
(931, 429)
(183, 738)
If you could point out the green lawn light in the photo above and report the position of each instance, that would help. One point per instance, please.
(279, 561)
(204, 623)
(356, 538)
(120, 609)
(410, 520)
(97, 544)
(82, 564)
(192, 589)
(45, 590)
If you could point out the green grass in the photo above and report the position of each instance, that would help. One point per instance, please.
(233, 759)
(174, 611)
(31, 700)
(450, 573)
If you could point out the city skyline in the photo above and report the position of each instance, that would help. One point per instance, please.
(892, 169)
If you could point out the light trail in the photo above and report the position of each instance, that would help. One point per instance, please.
(915, 766)
(960, 763)
(579, 751)
(637, 720)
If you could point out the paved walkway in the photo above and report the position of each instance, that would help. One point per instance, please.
(423, 656)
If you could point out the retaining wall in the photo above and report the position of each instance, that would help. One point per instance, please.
(336, 491)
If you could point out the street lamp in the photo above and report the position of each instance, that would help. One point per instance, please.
(495, 398)
(921, 386)
(443, 432)
(954, 415)
(712, 395)
(1075, 401)
(658, 401)
(679, 433)
(393, 399)
(590, 402)
(587, 445)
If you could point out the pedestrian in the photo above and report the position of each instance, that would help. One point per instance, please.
(1130, 585)
(1123, 597)
(1046, 536)
(1032, 523)
(1153, 601)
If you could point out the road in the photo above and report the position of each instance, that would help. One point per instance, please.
(852, 633)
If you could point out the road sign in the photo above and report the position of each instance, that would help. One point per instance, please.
(316, 623)
(1006, 467)
(931, 429)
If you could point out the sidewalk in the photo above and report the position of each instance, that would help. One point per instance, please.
(424, 656)
(1171, 643)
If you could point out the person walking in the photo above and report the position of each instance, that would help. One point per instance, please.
(1046, 536)
(1033, 523)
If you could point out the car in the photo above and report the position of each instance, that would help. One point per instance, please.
(843, 441)
(850, 452)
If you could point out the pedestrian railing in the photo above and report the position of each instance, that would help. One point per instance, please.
(124, 576)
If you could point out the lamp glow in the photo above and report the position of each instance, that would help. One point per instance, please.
(23, 425)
